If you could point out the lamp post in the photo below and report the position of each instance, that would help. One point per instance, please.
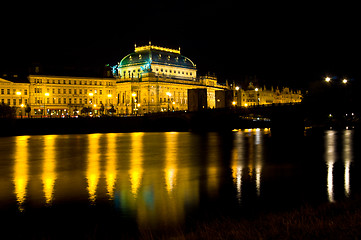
(108, 102)
(134, 102)
(169, 95)
(257, 94)
(21, 102)
(46, 95)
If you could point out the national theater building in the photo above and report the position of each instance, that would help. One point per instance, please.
(151, 79)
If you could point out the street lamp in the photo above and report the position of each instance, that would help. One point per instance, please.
(256, 89)
(46, 95)
(21, 101)
(328, 79)
(344, 81)
(169, 95)
(134, 102)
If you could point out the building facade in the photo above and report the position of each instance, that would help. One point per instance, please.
(151, 79)
(263, 96)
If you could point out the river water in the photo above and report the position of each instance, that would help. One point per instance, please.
(117, 183)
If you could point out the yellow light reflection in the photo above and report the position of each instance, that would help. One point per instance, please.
(171, 161)
(213, 168)
(136, 162)
(49, 168)
(238, 163)
(111, 169)
(258, 159)
(347, 158)
(330, 160)
(21, 168)
(93, 171)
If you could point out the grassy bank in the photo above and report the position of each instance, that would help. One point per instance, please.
(330, 221)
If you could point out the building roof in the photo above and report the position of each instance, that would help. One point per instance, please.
(150, 54)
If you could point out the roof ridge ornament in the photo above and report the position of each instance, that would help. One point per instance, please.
(153, 47)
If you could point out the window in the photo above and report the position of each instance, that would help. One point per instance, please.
(69, 81)
(69, 100)
(59, 100)
(75, 91)
(100, 91)
(80, 91)
(25, 92)
(2, 91)
(59, 90)
(8, 91)
(14, 102)
(69, 90)
(64, 100)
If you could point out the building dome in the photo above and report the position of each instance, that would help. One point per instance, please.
(156, 55)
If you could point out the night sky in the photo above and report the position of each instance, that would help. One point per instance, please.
(281, 43)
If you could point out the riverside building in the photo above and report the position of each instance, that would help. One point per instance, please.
(150, 79)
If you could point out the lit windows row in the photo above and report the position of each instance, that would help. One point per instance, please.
(67, 91)
(2, 91)
(65, 101)
(73, 82)
(14, 101)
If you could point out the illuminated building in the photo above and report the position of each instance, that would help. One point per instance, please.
(151, 79)
(262, 96)
(14, 94)
(157, 79)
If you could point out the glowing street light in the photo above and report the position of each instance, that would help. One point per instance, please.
(344, 81)
(46, 95)
(169, 95)
(327, 79)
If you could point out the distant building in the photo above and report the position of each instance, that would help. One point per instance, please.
(262, 96)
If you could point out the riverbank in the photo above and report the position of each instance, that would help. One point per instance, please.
(179, 122)
(341, 220)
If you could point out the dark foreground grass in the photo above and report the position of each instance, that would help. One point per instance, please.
(340, 220)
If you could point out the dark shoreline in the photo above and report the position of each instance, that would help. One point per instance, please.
(151, 123)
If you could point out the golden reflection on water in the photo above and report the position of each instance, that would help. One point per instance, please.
(170, 170)
(252, 162)
(111, 161)
(93, 168)
(330, 143)
(21, 169)
(238, 163)
(347, 158)
(136, 162)
(49, 168)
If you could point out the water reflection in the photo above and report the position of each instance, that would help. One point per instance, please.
(111, 161)
(93, 170)
(251, 141)
(347, 159)
(136, 162)
(159, 178)
(331, 156)
(170, 170)
(238, 162)
(49, 168)
(330, 143)
(21, 168)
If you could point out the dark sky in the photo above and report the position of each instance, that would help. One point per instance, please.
(292, 43)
